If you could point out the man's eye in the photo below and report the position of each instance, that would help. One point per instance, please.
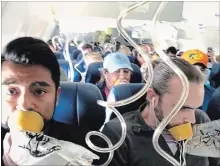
(12, 92)
(117, 71)
(39, 92)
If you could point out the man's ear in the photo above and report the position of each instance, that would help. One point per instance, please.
(152, 96)
(58, 94)
(104, 72)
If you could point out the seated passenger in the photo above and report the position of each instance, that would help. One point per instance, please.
(171, 51)
(141, 61)
(148, 42)
(124, 50)
(165, 92)
(108, 48)
(63, 77)
(87, 49)
(30, 82)
(200, 61)
(116, 70)
(92, 57)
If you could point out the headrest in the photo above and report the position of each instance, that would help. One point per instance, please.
(59, 55)
(132, 59)
(93, 73)
(72, 48)
(78, 106)
(125, 91)
(65, 66)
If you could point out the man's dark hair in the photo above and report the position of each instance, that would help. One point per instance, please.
(32, 51)
(172, 50)
(86, 46)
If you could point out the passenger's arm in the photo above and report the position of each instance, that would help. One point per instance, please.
(120, 157)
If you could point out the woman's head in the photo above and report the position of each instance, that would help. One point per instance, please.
(125, 50)
(117, 69)
(108, 47)
(92, 58)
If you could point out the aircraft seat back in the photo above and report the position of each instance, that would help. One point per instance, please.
(65, 66)
(77, 106)
(125, 91)
(59, 55)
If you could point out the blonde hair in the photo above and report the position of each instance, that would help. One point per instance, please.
(124, 50)
(93, 57)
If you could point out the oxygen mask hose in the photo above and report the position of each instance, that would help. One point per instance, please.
(129, 100)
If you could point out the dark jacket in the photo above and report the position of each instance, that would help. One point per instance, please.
(101, 86)
(213, 110)
(137, 149)
(59, 131)
(209, 90)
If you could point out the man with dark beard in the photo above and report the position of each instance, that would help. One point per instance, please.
(30, 83)
(161, 98)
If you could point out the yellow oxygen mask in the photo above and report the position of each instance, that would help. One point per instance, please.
(181, 132)
(27, 121)
(116, 82)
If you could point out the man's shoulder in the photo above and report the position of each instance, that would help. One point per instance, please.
(115, 124)
(201, 116)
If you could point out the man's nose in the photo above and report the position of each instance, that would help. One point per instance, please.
(25, 102)
(190, 117)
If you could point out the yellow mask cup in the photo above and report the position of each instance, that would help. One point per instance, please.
(181, 132)
(116, 82)
(27, 121)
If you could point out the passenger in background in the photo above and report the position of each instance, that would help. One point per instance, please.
(92, 58)
(30, 82)
(148, 42)
(87, 49)
(200, 61)
(108, 48)
(212, 57)
(171, 51)
(124, 50)
(141, 60)
(50, 44)
(116, 70)
(63, 77)
(118, 44)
